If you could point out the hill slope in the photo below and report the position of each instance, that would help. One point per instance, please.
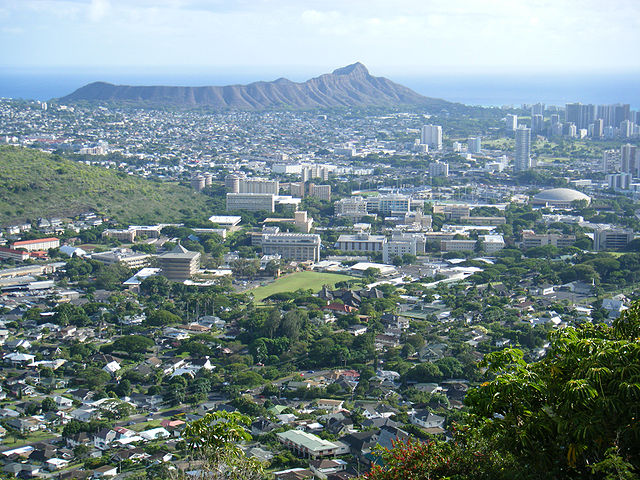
(34, 184)
(347, 86)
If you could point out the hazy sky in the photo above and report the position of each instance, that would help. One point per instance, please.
(410, 36)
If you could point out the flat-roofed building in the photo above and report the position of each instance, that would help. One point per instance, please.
(398, 248)
(251, 202)
(360, 242)
(457, 245)
(491, 243)
(128, 235)
(322, 192)
(352, 207)
(124, 256)
(532, 240)
(226, 221)
(258, 185)
(388, 204)
(453, 211)
(611, 238)
(306, 444)
(37, 244)
(179, 264)
(484, 220)
(300, 247)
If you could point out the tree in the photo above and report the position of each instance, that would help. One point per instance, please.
(49, 405)
(573, 414)
(215, 439)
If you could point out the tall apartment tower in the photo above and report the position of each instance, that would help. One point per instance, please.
(432, 136)
(629, 159)
(474, 145)
(579, 114)
(537, 123)
(598, 128)
(522, 159)
(511, 122)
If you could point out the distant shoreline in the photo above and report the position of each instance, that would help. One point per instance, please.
(480, 90)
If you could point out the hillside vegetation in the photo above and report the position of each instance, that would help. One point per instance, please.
(35, 184)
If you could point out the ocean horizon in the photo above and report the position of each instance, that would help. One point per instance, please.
(484, 90)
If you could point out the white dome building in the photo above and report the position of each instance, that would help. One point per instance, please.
(558, 198)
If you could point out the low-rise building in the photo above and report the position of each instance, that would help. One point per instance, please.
(36, 245)
(307, 444)
(361, 242)
(300, 247)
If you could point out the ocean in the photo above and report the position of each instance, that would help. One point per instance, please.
(486, 90)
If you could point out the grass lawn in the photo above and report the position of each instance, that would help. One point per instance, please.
(295, 281)
(140, 427)
(9, 442)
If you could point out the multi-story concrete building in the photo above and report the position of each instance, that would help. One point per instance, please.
(611, 238)
(611, 161)
(11, 254)
(491, 243)
(537, 123)
(259, 185)
(179, 264)
(127, 235)
(198, 182)
(398, 247)
(630, 159)
(352, 207)
(322, 192)
(252, 202)
(388, 204)
(619, 181)
(432, 136)
(531, 239)
(474, 145)
(453, 211)
(580, 115)
(511, 122)
(457, 245)
(522, 159)
(439, 169)
(232, 182)
(300, 247)
(123, 255)
(360, 242)
(38, 244)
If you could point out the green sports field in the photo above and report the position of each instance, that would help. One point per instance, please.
(295, 281)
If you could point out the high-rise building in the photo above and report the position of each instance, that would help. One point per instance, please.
(626, 128)
(522, 159)
(555, 119)
(537, 109)
(612, 115)
(439, 169)
(611, 161)
(511, 122)
(598, 128)
(198, 182)
(571, 130)
(232, 182)
(537, 123)
(432, 136)
(579, 114)
(474, 145)
(629, 159)
(619, 181)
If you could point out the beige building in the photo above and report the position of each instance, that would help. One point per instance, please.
(323, 192)
(128, 235)
(531, 239)
(300, 247)
(125, 256)
(179, 264)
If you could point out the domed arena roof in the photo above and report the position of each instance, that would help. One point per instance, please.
(560, 195)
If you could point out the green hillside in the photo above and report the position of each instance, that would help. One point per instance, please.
(34, 184)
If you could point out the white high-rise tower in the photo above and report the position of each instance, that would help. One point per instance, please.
(432, 136)
(522, 160)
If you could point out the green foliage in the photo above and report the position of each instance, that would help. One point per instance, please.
(34, 184)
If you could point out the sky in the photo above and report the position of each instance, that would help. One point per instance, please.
(315, 36)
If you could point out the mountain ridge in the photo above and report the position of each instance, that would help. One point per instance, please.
(349, 86)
